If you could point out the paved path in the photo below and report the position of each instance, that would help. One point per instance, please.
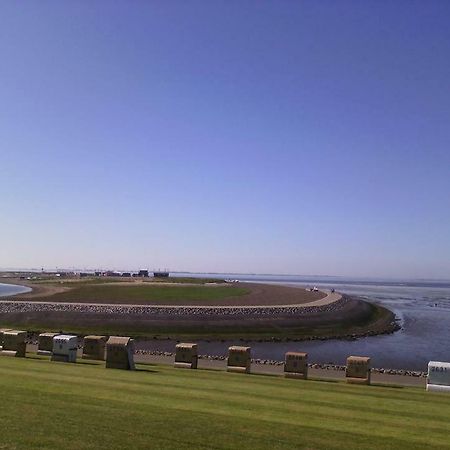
(269, 369)
(331, 297)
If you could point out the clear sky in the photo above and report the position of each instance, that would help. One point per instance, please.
(301, 137)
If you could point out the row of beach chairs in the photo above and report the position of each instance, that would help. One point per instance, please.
(118, 352)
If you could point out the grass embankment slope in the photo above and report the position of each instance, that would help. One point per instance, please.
(376, 320)
(57, 405)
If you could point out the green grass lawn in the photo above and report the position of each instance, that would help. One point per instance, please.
(85, 406)
(146, 293)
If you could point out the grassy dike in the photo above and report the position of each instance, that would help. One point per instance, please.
(374, 320)
(83, 405)
(357, 318)
(144, 293)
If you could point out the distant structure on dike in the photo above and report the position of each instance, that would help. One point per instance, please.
(161, 274)
(142, 273)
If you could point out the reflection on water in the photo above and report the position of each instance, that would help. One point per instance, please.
(422, 306)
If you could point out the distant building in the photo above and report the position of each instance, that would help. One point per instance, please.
(161, 274)
(126, 274)
(111, 273)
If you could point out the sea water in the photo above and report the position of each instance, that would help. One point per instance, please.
(12, 289)
(423, 308)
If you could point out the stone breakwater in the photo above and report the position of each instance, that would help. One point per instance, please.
(17, 306)
(271, 362)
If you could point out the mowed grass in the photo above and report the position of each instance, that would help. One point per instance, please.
(85, 406)
(146, 293)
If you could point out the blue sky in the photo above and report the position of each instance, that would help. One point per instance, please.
(268, 137)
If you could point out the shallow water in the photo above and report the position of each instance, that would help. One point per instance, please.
(422, 306)
(12, 289)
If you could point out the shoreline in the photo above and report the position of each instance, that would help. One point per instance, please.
(24, 289)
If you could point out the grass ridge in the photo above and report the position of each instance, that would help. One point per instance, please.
(162, 407)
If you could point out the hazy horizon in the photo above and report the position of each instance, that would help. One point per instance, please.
(177, 271)
(249, 137)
